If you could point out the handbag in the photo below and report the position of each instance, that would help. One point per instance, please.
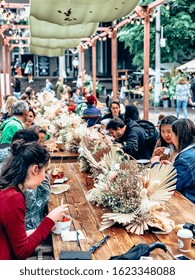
(27, 70)
(42, 252)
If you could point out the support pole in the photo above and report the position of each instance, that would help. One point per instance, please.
(82, 67)
(114, 65)
(62, 70)
(4, 66)
(157, 87)
(146, 64)
(94, 67)
(9, 68)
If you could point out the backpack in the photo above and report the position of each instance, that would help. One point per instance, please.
(80, 108)
(151, 135)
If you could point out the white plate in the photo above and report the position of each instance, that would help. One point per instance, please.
(143, 161)
(60, 188)
(160, 232)
(60, 181)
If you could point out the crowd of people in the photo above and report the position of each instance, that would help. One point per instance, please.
(24, 160)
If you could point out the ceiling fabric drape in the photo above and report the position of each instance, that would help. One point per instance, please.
(58, 25)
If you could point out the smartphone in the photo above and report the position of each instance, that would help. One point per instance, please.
(182, 258)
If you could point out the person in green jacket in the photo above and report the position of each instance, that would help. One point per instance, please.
(10, 126)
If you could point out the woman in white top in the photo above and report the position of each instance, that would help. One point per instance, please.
(182, 96)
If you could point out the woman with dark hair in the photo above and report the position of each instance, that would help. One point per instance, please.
(24, 169)
(42, 133)
(30, 119)
(165, 140)
(183, 137)
(114, 111)
(131, 112)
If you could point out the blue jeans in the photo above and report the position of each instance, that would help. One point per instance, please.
(16, 94)
(183, 105)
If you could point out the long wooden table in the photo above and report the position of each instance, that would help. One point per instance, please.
(63, 157)
(87, 217)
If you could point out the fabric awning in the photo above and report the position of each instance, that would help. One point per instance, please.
(188, 67)
(59, 25)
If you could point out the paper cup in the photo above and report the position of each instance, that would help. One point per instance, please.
(166, 151)
(184, 239)
(62, 226)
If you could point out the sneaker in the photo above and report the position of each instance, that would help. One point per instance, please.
(193, 108)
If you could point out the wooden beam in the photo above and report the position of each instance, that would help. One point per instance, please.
(9, 38)
(15, 6)
(17, 45)
(114, 65)
(82, 50)
(2, 29)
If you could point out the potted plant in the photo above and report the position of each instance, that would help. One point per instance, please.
(165, 97)
(88, 82)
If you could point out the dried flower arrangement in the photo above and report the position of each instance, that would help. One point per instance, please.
(134, 198)
(100, 158)
(68, 129)
(92, 143)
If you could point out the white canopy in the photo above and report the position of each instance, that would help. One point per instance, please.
(70, 21)
(188, 67)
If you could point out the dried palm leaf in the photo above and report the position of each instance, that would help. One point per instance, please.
(162, 183)
(109, 219)
(101, 153)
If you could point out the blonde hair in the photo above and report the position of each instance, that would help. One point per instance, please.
(10, 102)
(182, 81)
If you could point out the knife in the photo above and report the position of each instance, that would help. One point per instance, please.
(95, 247)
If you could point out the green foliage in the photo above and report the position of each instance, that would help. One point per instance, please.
(170, 81)
(88, 82)
(179, 31)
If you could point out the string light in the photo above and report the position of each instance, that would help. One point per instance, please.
(151, 18)
(75, 50)
(84, 46)
(167, 7)
(115, 29)
(2, 3)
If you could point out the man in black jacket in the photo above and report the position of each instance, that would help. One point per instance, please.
(131, 136)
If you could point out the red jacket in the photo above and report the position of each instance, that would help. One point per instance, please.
(72, 108)
(14, 242)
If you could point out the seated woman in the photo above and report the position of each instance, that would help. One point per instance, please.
(131, 112)
(31, 118)
(71, 105)
(42, 133)
(114, 111)
(24, 169)
(165, 140)
(10, 102)
(183, 137)
(91, 111)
